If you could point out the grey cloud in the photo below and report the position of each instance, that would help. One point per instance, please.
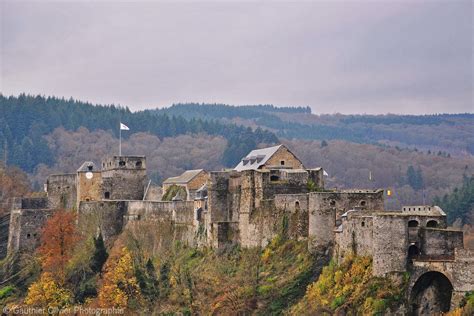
(349, 57)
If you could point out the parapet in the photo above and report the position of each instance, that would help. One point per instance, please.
(423, 209)
(124, 162)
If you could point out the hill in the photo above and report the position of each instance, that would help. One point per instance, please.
(25, 119)
(453, 133)
(49, 135)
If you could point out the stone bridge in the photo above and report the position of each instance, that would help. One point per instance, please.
(439, 284)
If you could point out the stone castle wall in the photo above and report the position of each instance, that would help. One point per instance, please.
(27, 218)
(437, 242)
(62, 191)
(111, 217)
(326, 207)
(385, 248)
(89, 189)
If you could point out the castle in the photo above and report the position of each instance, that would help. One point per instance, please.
(269, 190)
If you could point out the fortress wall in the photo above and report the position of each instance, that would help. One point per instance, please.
(124, 184)
(106, 217)
(356, 236)
(258, 228)
(464, 270)
(62, 191)
(27, 219)
(440, 242)
(385, 247)
(325, 207)
(218, 196)
(295, 206)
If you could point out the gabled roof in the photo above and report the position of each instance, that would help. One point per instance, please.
(184, 178)
(87, 166)
(256, 158)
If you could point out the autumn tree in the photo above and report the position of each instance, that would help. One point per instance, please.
(120, 286)
(47, 292)
(58, 239)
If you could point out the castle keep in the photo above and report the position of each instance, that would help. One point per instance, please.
(268, 192)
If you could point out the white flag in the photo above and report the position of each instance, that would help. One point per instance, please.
(124, 127)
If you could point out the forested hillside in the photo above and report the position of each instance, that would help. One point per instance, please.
(50, 135)
(24, 120)
(453, 133)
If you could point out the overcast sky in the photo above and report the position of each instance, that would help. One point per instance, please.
(345, 56)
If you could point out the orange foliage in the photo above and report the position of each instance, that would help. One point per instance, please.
(120, 286)
(57, 243)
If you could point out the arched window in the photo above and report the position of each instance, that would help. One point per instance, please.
(122, 163)
(363, 203)
(432, 223)
(297, 205)
(413, 223)
(138, 164)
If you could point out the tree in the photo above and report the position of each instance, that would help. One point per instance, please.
(415, 178)
(47, 292)
(100, 254)
(120, 287)
(324, 143)
(57, 243)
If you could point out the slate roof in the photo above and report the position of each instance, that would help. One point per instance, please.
(184, 178)
(256, 158)
(87, 166)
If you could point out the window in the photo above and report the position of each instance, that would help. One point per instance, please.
(363, 203)
(332, 203)
(413, 251)
(107, 195)
(89, 167)
(282, 162)
(198, 215)
(413, 223)
(297, 205)
(432, 223)
(274, 178)
(28, 235)
(122, 163)
(138, 164)
(362, 224)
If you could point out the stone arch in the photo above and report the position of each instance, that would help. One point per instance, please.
(431, 294)
(432, 223)
(413, 223)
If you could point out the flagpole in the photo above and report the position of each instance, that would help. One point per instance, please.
(120, 141)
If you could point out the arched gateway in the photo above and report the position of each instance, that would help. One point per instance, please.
(431, 294)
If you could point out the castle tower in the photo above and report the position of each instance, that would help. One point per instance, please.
(89, 182)
(123, 177)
